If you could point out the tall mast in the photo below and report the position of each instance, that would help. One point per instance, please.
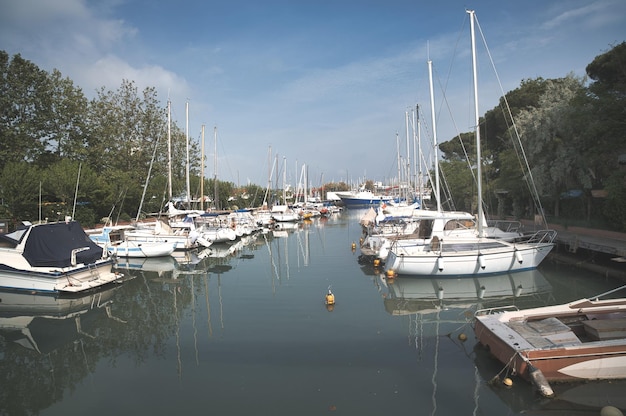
(407, 173)
(215, 187)
(202, 174)
(477, 128)
(169, 150)
(187, 163)
(284, 180)
(399, 161)
(417, 151)
(435, 145)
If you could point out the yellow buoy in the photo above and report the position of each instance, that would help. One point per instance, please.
(353, 245)
(330, 298)
(390, 274)
(462, 337)
(376, 262)
(507, 382)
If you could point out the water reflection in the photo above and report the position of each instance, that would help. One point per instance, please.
(49, 343)
(425, 295)
(206, 328)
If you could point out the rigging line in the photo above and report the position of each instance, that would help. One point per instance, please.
(531, 181)
(456, 128)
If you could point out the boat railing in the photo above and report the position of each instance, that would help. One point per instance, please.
(601, 295)
(495, 309)
(506, 225)
(541, 236)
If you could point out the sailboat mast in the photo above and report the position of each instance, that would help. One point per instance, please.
(435, 145)
(399, 163)
(417, 151)
(202, 174)
(169, 150)
(284, 180)
(215, 186)
(187, 163)
(407, 173)
(477, 128)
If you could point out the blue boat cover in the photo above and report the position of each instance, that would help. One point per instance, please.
(51, 245)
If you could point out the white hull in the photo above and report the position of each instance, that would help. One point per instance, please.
(138, 249)
(57, 281)
(503, 257)
(53, 258)
(180, 242)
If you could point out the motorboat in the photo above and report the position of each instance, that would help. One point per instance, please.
(56, 257)
(113, 239)
(580, 340)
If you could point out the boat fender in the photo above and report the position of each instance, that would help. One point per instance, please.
(610, 411)
(440, 263)
(518, 256)
(540, 382)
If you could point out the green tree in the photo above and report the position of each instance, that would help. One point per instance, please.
(23, 124)
(20, 185)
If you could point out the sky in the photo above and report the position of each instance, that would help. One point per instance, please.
(325, 83)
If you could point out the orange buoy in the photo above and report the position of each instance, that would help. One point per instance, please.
(376, 262)
(330, 298)
(390, 274)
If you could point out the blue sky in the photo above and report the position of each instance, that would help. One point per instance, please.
(324, 83)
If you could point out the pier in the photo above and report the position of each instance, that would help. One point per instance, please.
(601, 251)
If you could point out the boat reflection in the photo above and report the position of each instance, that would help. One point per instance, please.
(410, 295)
(43, 323)
(150, 264)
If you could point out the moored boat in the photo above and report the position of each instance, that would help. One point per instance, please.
(580, 340)
(114, 241)
(362, 198)
(54, 258)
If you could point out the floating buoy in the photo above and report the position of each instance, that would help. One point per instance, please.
(330, 298)
(390, 274)
(462, 337)
(507, 382)
(610, 411)
(376, 262)
(353, 246)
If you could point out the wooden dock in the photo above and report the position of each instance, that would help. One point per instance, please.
(600, 251)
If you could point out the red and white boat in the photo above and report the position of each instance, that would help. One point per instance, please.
(580, 340)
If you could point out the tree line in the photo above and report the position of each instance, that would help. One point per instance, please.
(63, 154)
(573, 135)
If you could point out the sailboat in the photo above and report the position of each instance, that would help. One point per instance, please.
(452, 248)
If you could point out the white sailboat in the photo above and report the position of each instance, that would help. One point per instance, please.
(455, 247)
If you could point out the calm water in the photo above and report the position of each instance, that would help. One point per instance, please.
(248, 333)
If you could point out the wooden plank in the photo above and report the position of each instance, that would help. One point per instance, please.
(606, 328)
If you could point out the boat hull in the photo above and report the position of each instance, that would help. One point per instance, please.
(57, 281)
(138, 249)
(586, 361)
(360, 202)
(427, 262)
